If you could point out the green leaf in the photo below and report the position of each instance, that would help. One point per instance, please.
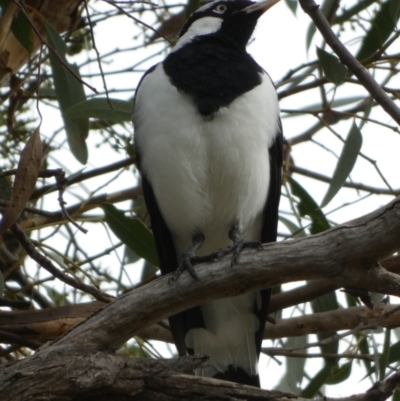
(393, 357)
(382, 26)
(325, 303)
(339, 374)
(307, 206)
(292, 4)
(334, 70)
(132, 232)
(362, 342)
(317, 382)
(297, 232)
(22, 30)
(345, 164)
(396, 395)
(69, 92)
(384, 359)
(352, 12)
(3, 6)
(1, 284)
(395, 9)
(295, 366)
(100, 108)
(191, 7)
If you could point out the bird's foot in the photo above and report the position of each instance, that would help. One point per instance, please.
(238, 245)
(189, 259)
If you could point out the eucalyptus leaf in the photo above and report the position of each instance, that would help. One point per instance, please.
(334, 70)
(69, 91)
(382, 26)
(316, 382)
(308, 206)
(384, 359)
(339, 374)
(2, 286)
(395, 9)
(346, 162)
(292, 4)
(132, 232)
(121, 110)
(297, 232)
(22, 30)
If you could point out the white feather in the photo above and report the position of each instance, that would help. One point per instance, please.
(206, 176)
(202, 26)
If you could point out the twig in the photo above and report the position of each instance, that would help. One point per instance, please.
(347, 184)
(139, 21)
(46, 263)
(97, 53)
(83, 176)
(285, 352)
(11, 338)
(62, 183)
(44, 41)
(366, 79)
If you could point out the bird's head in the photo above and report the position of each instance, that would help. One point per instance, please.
(231, 20)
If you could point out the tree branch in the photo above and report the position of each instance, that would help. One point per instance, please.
(366, 79)
(347, 255)
(79, 361)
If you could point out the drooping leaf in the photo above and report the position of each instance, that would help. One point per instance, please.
(1, 284)
(132, 232)
(69, 92)
(3, 5)
(316, 382)
(339, 374)
(25, 180)
(191, 7)
(308, 206)
(364, 349)
(382, 26)
(295, 366)
(100, 108)
(297, 232)
(393, 357)
(334, 70)
(395, 9)
(345, 164)
(352, 12)
(292, 4)
(384, 359)
(22, 30)
(325, 303)
(5, 188)
(396, 395)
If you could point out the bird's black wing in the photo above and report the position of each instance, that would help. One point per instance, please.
(270, 226)
(167, 257)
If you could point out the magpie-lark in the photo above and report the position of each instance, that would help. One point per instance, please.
(209, 145)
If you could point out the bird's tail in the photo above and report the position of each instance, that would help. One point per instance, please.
(231, 337)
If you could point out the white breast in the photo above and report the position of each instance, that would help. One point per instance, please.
(206, 175)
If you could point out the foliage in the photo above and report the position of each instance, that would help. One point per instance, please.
(340, 155)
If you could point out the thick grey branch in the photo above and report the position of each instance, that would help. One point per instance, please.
(347, 255)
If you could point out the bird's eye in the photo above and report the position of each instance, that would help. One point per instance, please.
(221, 8)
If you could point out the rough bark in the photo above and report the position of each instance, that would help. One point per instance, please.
(346, 255)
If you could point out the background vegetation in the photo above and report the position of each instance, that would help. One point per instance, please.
(63, 84)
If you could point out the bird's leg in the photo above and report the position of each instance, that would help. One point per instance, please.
(238, 244)
(189, 258)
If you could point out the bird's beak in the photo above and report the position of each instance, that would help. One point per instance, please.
(262, 6)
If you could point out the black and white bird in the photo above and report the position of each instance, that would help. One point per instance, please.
(209, 146)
